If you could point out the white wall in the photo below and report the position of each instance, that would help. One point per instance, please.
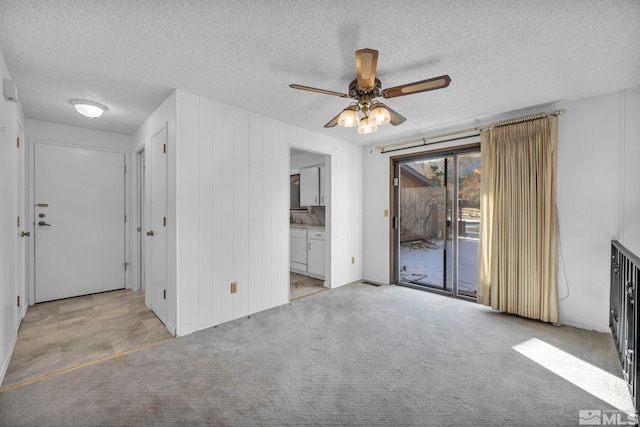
(598, 199)
(630, 233)
(228, 162)
(77, 137)
(10, 115)
(165, 115)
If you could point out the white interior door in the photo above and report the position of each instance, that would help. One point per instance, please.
(156, 223)
(141, 219)
(23, 233)
(79, 221)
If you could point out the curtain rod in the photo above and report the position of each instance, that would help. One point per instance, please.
(427, 141)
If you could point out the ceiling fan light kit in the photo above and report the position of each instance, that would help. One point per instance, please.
(380, 115)
(365, 88)
(349, 117)
(366, 126)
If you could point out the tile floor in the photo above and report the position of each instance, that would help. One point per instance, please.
(62, 334)
(302, 286)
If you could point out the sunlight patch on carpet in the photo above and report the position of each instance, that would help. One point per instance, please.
(595, 381)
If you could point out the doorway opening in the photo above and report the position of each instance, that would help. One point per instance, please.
(437, 222)
(310, 223)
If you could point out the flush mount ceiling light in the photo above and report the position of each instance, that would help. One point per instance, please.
(365, 88)
(88, 109)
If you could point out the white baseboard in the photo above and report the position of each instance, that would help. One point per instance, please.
(171, 328)
(7, 357)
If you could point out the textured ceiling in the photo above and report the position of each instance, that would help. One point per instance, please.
(131, 54)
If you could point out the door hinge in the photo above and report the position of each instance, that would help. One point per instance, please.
(18, 300)
(126, 264)
(125, 168)
(164, 294)
(396, 182)
(139, 229)
(164, 148)
(18, 222)
(396, 222)
(125, 217)
(164, 221)
(18, 142)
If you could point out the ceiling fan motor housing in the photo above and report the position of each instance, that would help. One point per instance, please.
(361, 94)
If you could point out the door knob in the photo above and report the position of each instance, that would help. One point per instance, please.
(23, 234)
(150, 233)
(42, 223)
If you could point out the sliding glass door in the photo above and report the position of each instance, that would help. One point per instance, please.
(431, 194)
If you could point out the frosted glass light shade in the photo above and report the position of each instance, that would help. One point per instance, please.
(89, 109)
(348, 118)
(380, 115)
(367, 126)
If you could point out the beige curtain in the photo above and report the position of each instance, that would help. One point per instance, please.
(517, 253)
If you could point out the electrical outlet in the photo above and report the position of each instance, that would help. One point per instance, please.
(234, 287)
(353, 260)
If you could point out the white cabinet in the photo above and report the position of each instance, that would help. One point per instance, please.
(312, 186)
(315, 260)
(298, 250)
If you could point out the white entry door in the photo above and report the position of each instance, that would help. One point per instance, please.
(156, 223)
(79, 221)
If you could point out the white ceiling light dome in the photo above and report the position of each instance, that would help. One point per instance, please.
(88, 109)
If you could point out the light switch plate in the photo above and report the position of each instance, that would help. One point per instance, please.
(234, 287)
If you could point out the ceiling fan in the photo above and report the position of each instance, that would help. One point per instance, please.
(366, 88)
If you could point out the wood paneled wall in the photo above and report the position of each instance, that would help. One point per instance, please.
(232, 207)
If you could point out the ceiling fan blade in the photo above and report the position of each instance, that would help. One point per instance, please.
(324, 91)
(331, 123)
(396, 118)
(366, 64)
(417, 87)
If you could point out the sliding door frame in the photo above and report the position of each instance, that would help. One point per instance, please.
(394, 232)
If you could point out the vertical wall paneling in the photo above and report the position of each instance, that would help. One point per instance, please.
(189, 198)
(233, 203)
(258, 171)
(228, 218)
(241, 212)
(269, 203)
(217, 217)
(205, 214)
